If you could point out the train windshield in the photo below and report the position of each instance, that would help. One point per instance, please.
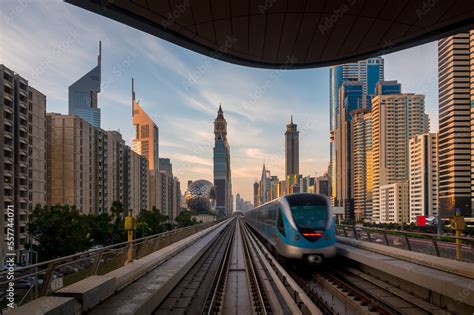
(310, 212)
(310, 217)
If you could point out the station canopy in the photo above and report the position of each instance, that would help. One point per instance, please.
(291, 33)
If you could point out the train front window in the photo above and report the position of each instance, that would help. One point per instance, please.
(312, 217)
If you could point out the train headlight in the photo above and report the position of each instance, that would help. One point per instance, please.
(297, 237)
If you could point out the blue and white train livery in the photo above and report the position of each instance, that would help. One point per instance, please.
(298, 226)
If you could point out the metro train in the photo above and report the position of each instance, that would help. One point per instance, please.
(297, 226)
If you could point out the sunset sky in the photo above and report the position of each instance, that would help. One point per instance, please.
(52, 44)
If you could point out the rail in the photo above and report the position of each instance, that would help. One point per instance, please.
(45, 277)
(405, 239)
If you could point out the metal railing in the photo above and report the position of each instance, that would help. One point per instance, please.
(45, 277)
(426, 243)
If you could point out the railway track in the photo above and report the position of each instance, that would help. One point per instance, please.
(346, 290)
(190, 294)
(237, 276)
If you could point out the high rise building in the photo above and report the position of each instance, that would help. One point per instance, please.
(423, 176)
(269, 187)
(361, 130)
(168, 189)
(368, 72)
(22, 139)
(351, 98)
(116, 181)
(394, 203)
(37, 154)
(127, 174)
(238, 201)
(471, 76)
(455, 139)
(321, 185)
(256, 189)
(145, 143)
(222, 171)
(395, 119)
(292, 149)
(264, 186)
(91, 168)
(307, 184)
(83, 95)
(73, 170)
(176, 205)
(137, 180)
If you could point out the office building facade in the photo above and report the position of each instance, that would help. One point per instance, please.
(83, 94)
(455, 140)
(361, 130)
(368, 72)
(321, 185)
(423, 176)
(145, 143)
(394, 203)
(395, 119)
(351, 98)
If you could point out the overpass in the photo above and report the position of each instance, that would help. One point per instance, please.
(223, 267)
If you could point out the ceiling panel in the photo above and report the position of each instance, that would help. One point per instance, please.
(317, 33)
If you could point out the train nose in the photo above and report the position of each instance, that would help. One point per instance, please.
(314, 259)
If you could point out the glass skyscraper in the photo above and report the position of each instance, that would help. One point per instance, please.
(368, 72)
(83, 95)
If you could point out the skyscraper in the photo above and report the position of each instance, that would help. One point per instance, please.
(168, 190)
(351, 98)
(456, 119)
(238, 202)
(256, 188)
(368, 72)
(23, 153)
(362, 164)
(145, 143)
(423, 175)
(395, 119)
(222, 173)
(83, 95)
(360, 159)
(292, 149)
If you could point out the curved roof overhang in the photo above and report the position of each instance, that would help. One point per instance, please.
(291, 34)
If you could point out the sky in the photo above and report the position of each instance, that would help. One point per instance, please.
(52, 44)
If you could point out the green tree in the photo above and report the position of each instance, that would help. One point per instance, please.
(101, 228)
(117, 209)
(150, 222)
(185, 219)
(58, 231)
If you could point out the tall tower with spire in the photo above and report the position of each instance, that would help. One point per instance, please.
(145, 143)
(83, 94)
(222, 173)
(292, 155)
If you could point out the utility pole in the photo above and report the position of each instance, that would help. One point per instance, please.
(458, 224)
(129, 226)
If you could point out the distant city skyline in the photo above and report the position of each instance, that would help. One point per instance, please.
(181, 90)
